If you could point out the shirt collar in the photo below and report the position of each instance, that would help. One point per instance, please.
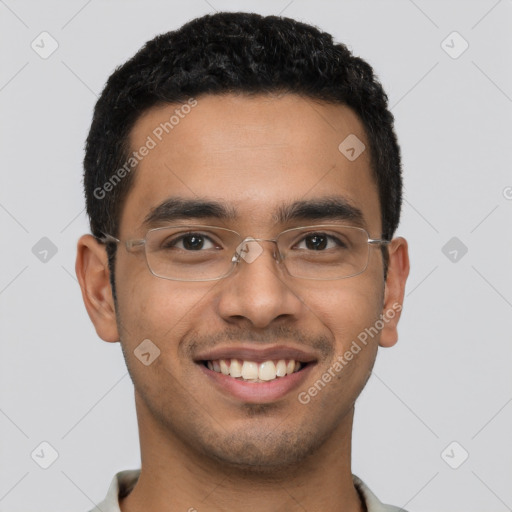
(124, 481)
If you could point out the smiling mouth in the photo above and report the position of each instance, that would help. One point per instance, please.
(251, 371)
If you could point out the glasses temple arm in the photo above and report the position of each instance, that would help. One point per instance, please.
(106, 238)
(377, 241)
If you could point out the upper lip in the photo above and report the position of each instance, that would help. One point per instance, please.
(258, 355)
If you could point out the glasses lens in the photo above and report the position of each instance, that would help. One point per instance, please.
(190, 253)
(325, 252)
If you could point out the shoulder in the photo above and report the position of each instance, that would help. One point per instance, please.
(120, 486)
(373, 504)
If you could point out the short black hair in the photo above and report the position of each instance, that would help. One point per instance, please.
(240, 53)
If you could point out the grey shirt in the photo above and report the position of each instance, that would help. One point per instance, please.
(124, 481)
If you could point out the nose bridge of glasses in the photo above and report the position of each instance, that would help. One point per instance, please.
(250, 248)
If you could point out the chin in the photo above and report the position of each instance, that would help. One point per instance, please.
(261, 452)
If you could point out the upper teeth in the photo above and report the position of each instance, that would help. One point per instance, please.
(252, 371)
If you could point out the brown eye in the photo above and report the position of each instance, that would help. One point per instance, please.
(320, 241)
(189, 242)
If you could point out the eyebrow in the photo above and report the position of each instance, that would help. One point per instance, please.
(332, 208)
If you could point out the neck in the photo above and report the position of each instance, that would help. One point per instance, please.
(175, 477)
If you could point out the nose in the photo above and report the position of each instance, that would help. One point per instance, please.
(259, 289)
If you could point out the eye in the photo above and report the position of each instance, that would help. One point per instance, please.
(189, 242)
(320, 241)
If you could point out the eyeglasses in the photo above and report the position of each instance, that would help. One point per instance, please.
(209, 253)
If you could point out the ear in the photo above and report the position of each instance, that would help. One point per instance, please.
(94, 278)
(398, 270)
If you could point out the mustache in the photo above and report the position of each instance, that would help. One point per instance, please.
(197, 342)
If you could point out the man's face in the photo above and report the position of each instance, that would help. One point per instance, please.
(253, 155)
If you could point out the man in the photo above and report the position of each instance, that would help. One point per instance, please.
(243, 184)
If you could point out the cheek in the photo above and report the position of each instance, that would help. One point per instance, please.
(346, 307)
(163, 312)
(157, 309)
(349, 311)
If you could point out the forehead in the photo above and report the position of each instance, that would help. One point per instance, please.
(254, 154)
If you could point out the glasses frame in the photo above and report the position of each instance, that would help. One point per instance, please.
(136, 243)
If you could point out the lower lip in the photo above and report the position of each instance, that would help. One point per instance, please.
(257, 392)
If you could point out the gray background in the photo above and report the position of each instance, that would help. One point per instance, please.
(449, 377)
